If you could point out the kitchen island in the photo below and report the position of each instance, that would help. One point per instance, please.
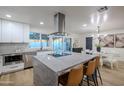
(47, 68)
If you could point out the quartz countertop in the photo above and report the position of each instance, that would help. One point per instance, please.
(17, 52)
(58, 64)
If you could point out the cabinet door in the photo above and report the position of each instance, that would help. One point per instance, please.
(0, 31)
(17, 35)
(7, 30)
(26, 32)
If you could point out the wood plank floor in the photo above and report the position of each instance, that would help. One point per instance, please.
(20, 78)
(113, 77)
(110, 77)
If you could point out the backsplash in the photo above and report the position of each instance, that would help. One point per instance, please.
(12, 47)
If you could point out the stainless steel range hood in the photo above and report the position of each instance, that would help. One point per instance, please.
(59, 23)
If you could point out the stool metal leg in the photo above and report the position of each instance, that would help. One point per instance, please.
(99, 75)
(88, 81)
(95, 77)
(94, 80)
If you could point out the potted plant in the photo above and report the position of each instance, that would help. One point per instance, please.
(98, 47)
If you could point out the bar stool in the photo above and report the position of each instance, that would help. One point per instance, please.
(97, 69)
(89, 71)
(72, 78)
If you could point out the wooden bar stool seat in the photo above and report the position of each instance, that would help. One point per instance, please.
(89, 71)
(72, 78)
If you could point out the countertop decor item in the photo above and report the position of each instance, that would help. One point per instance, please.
(98, 47)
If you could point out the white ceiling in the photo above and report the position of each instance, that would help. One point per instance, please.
(76, 16)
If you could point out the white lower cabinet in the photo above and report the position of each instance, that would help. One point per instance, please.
(11, 68)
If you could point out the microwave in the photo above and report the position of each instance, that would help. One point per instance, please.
(12, 59)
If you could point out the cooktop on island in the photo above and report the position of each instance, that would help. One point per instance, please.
(59, 55)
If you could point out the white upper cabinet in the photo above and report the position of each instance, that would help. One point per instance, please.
(7, 31)
(17, 31)
(14, 32)
(0, 31)
(26, 32)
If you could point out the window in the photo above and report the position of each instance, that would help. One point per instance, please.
(34, 36)
(58, 45)
(38, 40)
(45, 40)
(67, 44)
(35, 41)
(61, 44)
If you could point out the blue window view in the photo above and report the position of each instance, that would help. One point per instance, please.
(35, 44)
(44, 43)
(34, 36)
(67, 44)
(61, 45)
(37, 40)
(57, 45)
(45, 40)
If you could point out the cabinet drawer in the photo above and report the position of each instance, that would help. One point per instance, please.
(12, 68)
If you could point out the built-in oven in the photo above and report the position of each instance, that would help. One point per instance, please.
(12, 59)
(12, 62)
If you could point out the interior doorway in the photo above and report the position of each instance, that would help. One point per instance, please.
(89, 43)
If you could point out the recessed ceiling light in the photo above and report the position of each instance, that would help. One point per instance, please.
(9, 16)
(41, 23)
(84, 25)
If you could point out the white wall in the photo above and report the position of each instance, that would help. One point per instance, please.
(76, 40)
(40, 30)
(119, 51)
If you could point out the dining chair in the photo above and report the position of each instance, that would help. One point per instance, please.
(89, 71)
(112, 60)
(72, 78)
